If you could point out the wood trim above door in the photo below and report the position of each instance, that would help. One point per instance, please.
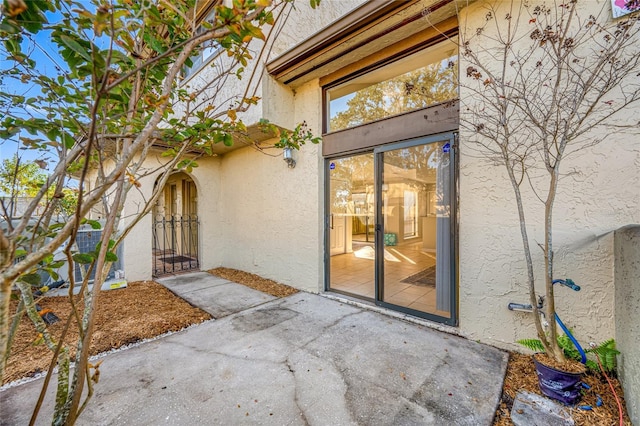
(364, 32)
(441, 118)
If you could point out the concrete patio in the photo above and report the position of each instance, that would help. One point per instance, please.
(301, 360)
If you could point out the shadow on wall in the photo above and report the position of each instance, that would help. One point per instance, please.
(627, 320)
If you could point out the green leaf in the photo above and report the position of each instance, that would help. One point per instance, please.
(67, 140)
(227, 139)
(83, 258)
(533, 344)
(75, 46)
(93, 223)
(111, 257)
(9, 28)
(607, 353)
(33, 278)
(56, 226)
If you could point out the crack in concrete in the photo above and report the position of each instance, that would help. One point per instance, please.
(303, 416)
(327, 327)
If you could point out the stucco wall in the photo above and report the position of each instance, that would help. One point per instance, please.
(209, 185)
(597, 193)
(627, 307)
(137, 246)
(269, 217)
(138, 259)
(255, 214)
(294, 23)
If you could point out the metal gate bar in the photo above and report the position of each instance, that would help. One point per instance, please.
(175, 244)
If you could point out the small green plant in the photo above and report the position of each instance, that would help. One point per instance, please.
(606, 351)
(290, 139)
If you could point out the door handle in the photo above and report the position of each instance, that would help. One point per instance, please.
(331, 221)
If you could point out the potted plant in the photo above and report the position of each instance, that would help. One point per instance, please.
(563, 382)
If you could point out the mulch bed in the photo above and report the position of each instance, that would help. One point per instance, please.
(141, 311)
(254, 281)
(521, 375)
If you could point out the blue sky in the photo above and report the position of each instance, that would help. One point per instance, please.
(36, 45)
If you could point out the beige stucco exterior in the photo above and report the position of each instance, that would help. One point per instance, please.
(627, 306)
(597, 194)
(259, 216)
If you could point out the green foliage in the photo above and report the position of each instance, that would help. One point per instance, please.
(606, 351)
(21, 178)
(32, 278)
(110, 97)
(300, 135)
(533, 344)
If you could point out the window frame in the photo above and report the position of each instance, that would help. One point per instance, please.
(188, 72)
(387, 62)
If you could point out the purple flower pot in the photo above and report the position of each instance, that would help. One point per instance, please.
(559, 385)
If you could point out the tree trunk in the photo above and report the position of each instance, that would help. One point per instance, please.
(5, 298)
(529, 261)
(554, 349)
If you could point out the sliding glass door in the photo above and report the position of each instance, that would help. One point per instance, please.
(416, 226)
(391, 227)
(351, 220)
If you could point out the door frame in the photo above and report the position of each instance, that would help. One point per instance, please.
(452, 138)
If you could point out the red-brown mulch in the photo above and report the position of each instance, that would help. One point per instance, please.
(521, 375)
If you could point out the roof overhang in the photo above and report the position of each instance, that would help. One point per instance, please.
(254, 137)
(375, 26)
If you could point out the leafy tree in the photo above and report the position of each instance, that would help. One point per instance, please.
(416, 89)
(21, 178)
(113, 98)
(545, 82)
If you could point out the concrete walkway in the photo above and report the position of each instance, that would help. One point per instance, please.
(301, 360)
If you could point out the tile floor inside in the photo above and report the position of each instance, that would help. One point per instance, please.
(354, 274)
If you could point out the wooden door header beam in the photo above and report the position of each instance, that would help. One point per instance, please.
(373, 26)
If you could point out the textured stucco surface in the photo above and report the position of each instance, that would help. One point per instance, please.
(294, 23)
(270, 215)
(627, 307)
(138, 259)
(597, 194)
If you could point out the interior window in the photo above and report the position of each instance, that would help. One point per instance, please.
(417, 81)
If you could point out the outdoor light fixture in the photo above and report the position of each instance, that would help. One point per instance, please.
(287, 154)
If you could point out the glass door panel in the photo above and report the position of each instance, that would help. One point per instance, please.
(415, 212)
(351, 236)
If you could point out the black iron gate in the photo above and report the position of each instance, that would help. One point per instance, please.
(175, 244)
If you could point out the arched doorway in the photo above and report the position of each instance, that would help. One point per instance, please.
(175, 227)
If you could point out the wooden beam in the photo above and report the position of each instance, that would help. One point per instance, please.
(441, 118)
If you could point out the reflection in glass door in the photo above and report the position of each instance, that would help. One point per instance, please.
(390, 227)
(415, 211)
(351, 236)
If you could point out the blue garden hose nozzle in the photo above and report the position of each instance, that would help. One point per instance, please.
(568, 283)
